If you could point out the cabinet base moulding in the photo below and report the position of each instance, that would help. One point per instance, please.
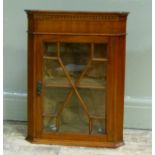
(75, 143)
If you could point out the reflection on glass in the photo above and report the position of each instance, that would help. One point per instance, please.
(98, 126)
(75, 56)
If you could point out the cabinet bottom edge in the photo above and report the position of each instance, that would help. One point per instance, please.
(75, 142)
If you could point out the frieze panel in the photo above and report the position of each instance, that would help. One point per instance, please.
(77, 17)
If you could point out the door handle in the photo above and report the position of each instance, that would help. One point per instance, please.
(39, 87)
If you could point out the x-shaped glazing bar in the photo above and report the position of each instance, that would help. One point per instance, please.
(74, 89)
(74, 86)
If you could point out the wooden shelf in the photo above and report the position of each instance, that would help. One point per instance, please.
(93, 59)
(50, 58)
(85, 83)
(100, 59)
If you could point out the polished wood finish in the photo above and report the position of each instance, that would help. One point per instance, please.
(79, 27)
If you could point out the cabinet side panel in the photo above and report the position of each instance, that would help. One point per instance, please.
(120, 89)
(116, 90)
(120, 84)
(119, 77)
(31, 87)
(119, 71)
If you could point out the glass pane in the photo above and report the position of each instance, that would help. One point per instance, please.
(100, 50)
(79, 107)
(73, 118)
(98, 126)
(95, 76)
(53, 100)
(95, 100)
(50, 49)
(54, 74)
(75, 56)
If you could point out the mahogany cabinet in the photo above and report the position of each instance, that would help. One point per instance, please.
(76, 67)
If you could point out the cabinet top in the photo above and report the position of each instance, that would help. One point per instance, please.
(41, 22)
(74, 12)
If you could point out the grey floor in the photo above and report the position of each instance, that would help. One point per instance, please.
(137, 142)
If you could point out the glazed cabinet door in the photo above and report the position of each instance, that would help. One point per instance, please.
(72, 86)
